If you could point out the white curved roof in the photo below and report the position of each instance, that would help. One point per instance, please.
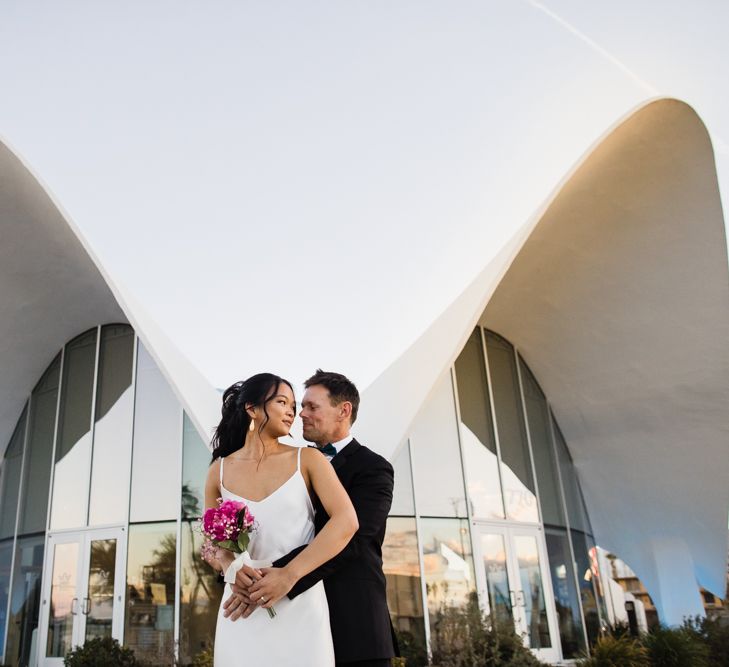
(616, 295)
(52, 288)
(369, 156)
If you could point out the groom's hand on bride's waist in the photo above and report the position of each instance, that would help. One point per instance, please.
(275, 584)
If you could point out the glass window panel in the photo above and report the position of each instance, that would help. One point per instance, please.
(157, 446)
(596, 576)
(6, 557)
(436, 456)
(102, 569)
(195, 463)
(64, 599)
(39, 455)
(516, 469)
(531, 595)
(10, 479)
(565, 593)
(477, 432)
(25, 601)
(73, 446)
(493, 551)
(401, 566)
(109, 500)
(586, 569)
(545, 463)
(572, 495)
(402, 495)
(149, 613)
(448, 567)
(200, 595)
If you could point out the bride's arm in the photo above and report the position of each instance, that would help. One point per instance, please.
(221, 558)
(335, 535)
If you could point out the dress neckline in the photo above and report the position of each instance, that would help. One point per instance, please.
(257, 502)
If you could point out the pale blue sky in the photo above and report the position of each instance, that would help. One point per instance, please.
(287, 185)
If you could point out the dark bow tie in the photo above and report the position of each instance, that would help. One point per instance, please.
(328, 450)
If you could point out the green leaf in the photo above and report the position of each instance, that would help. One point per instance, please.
(230, 546)
(243, 540)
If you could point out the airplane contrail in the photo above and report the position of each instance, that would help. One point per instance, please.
(720, 146)
(595, 46)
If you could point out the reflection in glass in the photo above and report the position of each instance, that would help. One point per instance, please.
(572, 495)
(155, 461)
(6, 557)
(73, 446)
(403, 503)
(565, 593)
(195, 463)
(100, 610)
(477, 432)
(448, 566)
(150, 601)
(10, 479)
(200, 594)
(39, 452)
(545, 463)
(586, 570)
(531, 595)
(596, 578)
(516, 469)
(404, 592)
(25, 601)
(436, 455)
(498, 590)
(64, 599)
(113, 427)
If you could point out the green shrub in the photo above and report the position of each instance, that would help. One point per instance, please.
(101, 651)
(204, 658)
(464, 637)
(675, 647)
(714, 633)
(621, 651)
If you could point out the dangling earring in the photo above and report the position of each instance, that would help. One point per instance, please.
(253, 425)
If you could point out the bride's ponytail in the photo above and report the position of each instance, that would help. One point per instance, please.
(230, 434)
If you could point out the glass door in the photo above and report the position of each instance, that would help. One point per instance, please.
(514, 586)
(83, 591)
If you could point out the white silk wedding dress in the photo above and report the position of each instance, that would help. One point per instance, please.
(299, 635)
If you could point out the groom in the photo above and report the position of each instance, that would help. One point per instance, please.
(353, 580)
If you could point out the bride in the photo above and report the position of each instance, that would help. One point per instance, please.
(276, 481)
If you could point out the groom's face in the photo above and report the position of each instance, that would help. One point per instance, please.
(321, 419)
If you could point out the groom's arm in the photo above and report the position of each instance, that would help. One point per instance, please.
(371, 495)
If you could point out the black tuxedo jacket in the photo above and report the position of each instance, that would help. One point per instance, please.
(354, 581)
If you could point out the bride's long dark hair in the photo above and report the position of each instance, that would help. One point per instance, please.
(257, 390)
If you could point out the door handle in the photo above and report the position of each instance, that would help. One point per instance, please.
(512, 599)
(74, 608)
(87, 607)
(520, 599)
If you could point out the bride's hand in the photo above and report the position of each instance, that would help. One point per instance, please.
(247, 576)
(276, 582)
(237, 605)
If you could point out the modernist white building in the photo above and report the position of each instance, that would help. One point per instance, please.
(574, 393)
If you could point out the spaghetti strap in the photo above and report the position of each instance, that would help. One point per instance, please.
(222, 458)
(298, 459)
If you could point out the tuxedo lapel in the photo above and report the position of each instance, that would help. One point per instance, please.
(341, 458)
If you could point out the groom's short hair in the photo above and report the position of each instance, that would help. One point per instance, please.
(340, 388)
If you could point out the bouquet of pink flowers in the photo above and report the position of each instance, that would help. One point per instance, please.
(229, 526)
